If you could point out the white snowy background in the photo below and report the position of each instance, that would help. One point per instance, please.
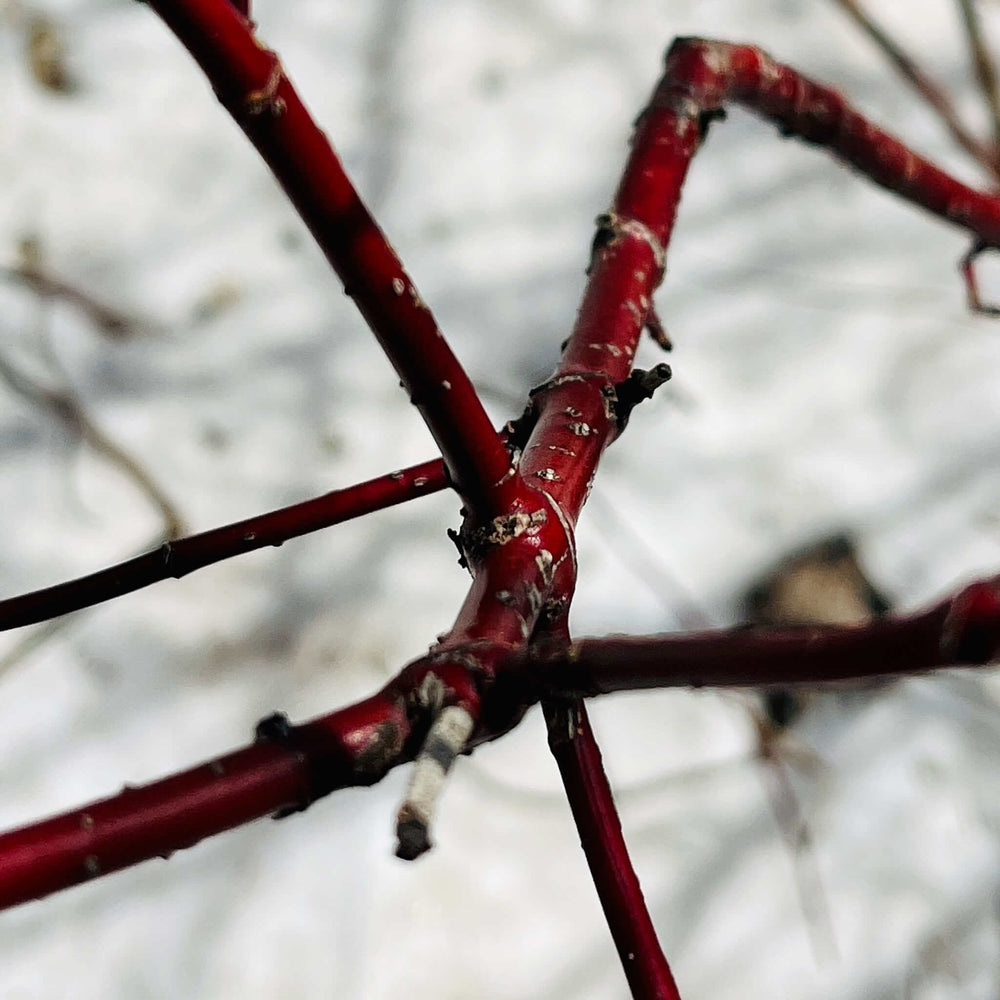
(827, 377)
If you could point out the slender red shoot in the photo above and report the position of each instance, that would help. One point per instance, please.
(181, 556)
(576, 752)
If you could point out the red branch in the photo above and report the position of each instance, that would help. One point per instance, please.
(250, 82)
(184, 555)
(518, 533)
(908, 68)
(576, 752)
(285, 770)
(701, 75)
(288, 767)
(963, 630)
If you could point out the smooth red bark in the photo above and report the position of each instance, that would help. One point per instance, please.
(184, 555)
(521, 510)
(286, 770)
(963, 630)
(283, 771)
(250, 82)
(576, 752)
(702, 75)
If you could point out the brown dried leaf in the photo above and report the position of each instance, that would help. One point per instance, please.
(46, 52)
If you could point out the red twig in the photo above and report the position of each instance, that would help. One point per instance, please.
(518, 533)
(250, 81)
(961, 631)
(701, 75)
(908, 68)
(284, 770)
(177, 558)
(288, 767)
(572, 742)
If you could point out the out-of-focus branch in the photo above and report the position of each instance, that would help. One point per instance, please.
(181, 556)
(908, 68)
(963, 630)
(31, 270)
(31, 641)
(982, 61)
(110, 321)
(967, 268)
(64, 404)
(788, 816)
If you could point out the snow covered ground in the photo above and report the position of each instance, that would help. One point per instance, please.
(827, 377)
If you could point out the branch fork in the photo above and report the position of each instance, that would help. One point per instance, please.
(509, 645)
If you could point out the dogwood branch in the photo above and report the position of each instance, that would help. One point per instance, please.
(517, 537)
(701, 75)
(284, 770)
(909, 69)
(250, 82)
(288, 767)
(576, 752)
(963, 630)
(181, 556)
